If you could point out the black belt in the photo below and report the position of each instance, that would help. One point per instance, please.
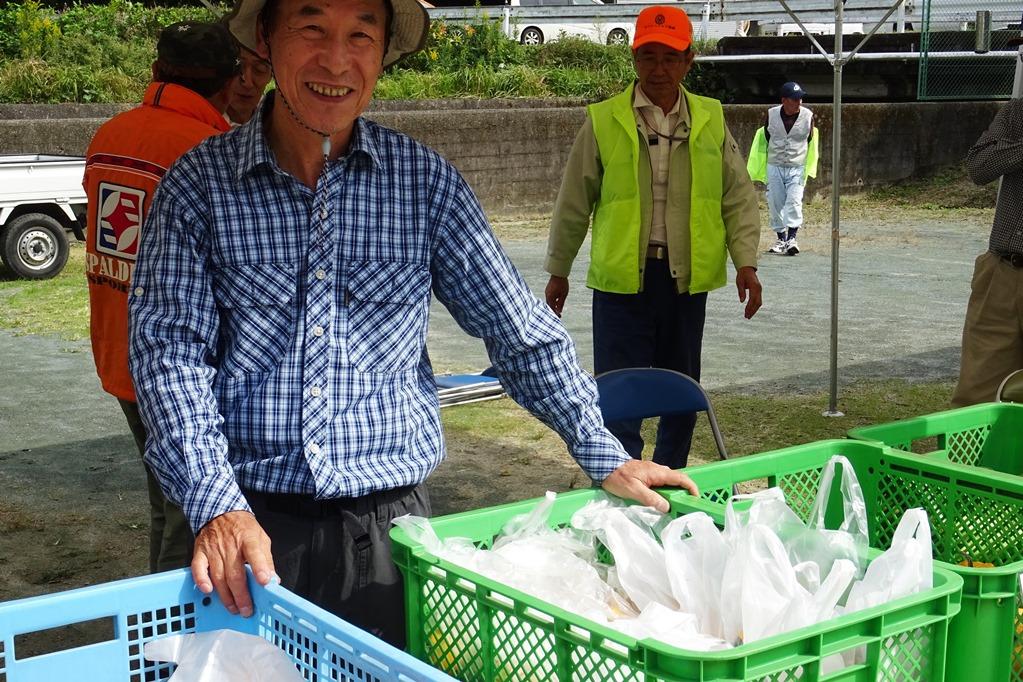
(309, 507)
(657, 251)
(1012, 258)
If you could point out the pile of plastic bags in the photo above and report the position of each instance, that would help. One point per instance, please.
(692, 585)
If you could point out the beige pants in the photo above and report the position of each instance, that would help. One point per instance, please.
(993, 333)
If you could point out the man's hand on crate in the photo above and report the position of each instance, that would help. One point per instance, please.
(222, 548)
(634, 480)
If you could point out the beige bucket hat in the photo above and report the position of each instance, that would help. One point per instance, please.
(410, 26)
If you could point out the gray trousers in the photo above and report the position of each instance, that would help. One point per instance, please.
(170, 536)
(337, 553)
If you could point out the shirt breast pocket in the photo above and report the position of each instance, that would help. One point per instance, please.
(257, 315)
(388, 314)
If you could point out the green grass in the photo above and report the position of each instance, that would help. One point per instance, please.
(949, 196)
(60, 306)
(957, 191)
(54, 306)
(750, 423)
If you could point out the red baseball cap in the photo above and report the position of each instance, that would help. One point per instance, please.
(666, 25)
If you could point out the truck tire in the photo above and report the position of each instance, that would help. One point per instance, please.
(34, 246)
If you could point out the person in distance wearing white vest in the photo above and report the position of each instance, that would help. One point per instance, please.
(783, 156)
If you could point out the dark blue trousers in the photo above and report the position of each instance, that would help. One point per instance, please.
(658, 327)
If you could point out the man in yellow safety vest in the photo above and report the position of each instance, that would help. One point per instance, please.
(669, 195)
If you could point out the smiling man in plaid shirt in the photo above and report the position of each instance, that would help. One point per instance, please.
(279, 318)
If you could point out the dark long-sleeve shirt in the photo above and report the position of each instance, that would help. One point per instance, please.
(999, 154)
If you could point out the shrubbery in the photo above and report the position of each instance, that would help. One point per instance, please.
(86, 53)
(103, 53)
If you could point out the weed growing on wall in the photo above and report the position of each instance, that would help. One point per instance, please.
(28, 30)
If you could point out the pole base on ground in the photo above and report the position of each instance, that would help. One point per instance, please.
(832, 413)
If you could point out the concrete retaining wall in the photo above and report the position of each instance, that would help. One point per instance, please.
(513, 152)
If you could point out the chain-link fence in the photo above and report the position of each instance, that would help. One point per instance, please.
(951, 68)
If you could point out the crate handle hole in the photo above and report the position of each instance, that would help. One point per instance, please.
(64, 637)
(206, 601)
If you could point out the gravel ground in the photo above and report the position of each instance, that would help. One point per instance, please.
(73, 510)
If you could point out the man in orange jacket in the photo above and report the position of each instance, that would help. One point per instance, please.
(192, 79)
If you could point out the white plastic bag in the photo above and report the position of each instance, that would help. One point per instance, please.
(763, 593)
(554, 565)
(907, 567)
(528, 525)
(457, 550)
(850, 541)
(695, 554)
(223, 656)
(628, 533)
(669, 626)
(729, 600)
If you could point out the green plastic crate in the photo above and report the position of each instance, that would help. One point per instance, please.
(972, 510)
(988, 435)
(479, 630)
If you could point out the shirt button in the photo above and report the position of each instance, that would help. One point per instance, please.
(317, 330)
(314, 448)
(139, 291)
(323, 212)
(315, 391)
(320, 274)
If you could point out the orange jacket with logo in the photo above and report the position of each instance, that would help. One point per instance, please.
(125, 161)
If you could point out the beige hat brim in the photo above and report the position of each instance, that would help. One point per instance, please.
(410, 27)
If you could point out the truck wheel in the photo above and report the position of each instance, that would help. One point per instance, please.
(618, 36)
(532, 36)
(34, 246)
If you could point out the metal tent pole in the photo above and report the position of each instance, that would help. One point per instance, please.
(1017, 83)
(838, 61)
(836, 176)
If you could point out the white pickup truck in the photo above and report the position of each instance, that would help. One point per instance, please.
(41, 200)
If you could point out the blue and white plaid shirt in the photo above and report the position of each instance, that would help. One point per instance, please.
(278, 334)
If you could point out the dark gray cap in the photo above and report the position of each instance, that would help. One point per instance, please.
(194, 49)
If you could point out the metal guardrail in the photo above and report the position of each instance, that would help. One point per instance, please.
(762, 11)
(992, 56)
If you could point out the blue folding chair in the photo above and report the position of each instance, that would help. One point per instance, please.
(643, 392)
(459, 389)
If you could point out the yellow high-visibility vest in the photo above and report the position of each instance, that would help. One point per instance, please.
(615, 250)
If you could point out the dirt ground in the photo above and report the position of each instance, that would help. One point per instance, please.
(73, 510)
(77, 514)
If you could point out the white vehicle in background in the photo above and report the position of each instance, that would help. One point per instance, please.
(539, 31)
(41, 200)
(848, 28)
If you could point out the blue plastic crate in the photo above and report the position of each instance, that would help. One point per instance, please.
(323, 646)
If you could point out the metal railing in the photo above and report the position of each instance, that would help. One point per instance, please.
(765, 12)
(942, 77)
